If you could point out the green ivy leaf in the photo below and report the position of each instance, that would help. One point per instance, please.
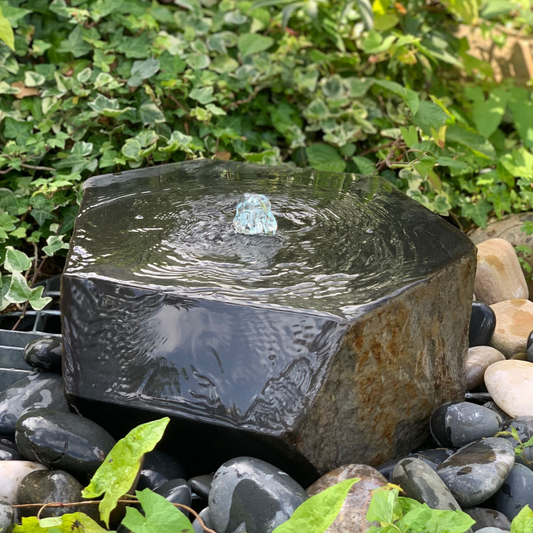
(67, 523)
(477, 211)
(142, 70)
(160, 516)
(316, 514)
(472, 140)
(16, 261)
(33, 79)
(487, 114)
(429, 115)
(410, 97)
(6, 32)
(54, 243)
(325, 157)
(117, 473)
(253, 43)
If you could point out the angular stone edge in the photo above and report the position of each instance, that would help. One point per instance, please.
(419, 336)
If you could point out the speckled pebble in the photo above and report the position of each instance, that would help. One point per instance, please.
(477, 470)
(352, 516)
(421, 483)
(248, 494)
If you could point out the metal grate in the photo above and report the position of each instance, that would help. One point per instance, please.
(35, 324)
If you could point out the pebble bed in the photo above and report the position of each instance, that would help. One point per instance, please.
(48, 454)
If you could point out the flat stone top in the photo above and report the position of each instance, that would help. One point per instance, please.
(343, 240)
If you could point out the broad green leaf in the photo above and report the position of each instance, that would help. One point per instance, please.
(204, 95)
(523, 521)
(67, 523)
(429, 115)
(19, 292)
(54, 243)
(466, 10)
(75, 44)
(472, 140)
(487, 114)
(198, 61)
(381, 508)
(117, 473)
(415, 519)
(364, 165)
(477, 211)
(521, 106)
(33, 79)
(325, 157)
(224, 64)
(16, 261)
(6, 32)
(410, 135)
(374, 43)
(149, 113)
(108, 107)
(316, 514)
(519, 163)
(448, 522)
(253, 43)
(142, 70)
(160, 516)
(410, 97)
(136, 47)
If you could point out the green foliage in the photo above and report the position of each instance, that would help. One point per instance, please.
(95, 86)
(119, 470)
(67, 523)
(396, 513)
(523, 521)
(160, 516)
(316, 514)
(520, 449)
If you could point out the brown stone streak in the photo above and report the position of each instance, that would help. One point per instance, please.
(397, 363)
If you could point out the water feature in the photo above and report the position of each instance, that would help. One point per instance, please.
(249, 340)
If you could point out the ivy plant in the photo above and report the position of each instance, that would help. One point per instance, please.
(381, 87)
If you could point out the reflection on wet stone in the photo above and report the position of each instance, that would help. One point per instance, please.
(247, 338)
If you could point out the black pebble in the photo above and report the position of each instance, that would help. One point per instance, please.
(44, 354)
(158, 467)
(201, 485)
(64, 441)
(482, 324)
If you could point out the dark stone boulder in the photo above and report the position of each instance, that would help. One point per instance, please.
(250, 495)
(63, 441)
(47, 487)
(36, 391)
(363, 296)
(44, 354)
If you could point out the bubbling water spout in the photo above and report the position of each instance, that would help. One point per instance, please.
(254, 216)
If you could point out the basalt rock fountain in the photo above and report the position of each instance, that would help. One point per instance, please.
(328, 341)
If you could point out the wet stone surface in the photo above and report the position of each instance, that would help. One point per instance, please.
(352, 516)
(524, 428)
(459, 424)
(63, 441)
(6, 518)
(422, 483)
(477, 470)
(488, 518)
(201, 485)
(35, 391)
(11, 474)
(159, 467)
(482, 324)
(47, 487)
(44, 354)
(250, 495)
(191, 315)
(516, 491)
